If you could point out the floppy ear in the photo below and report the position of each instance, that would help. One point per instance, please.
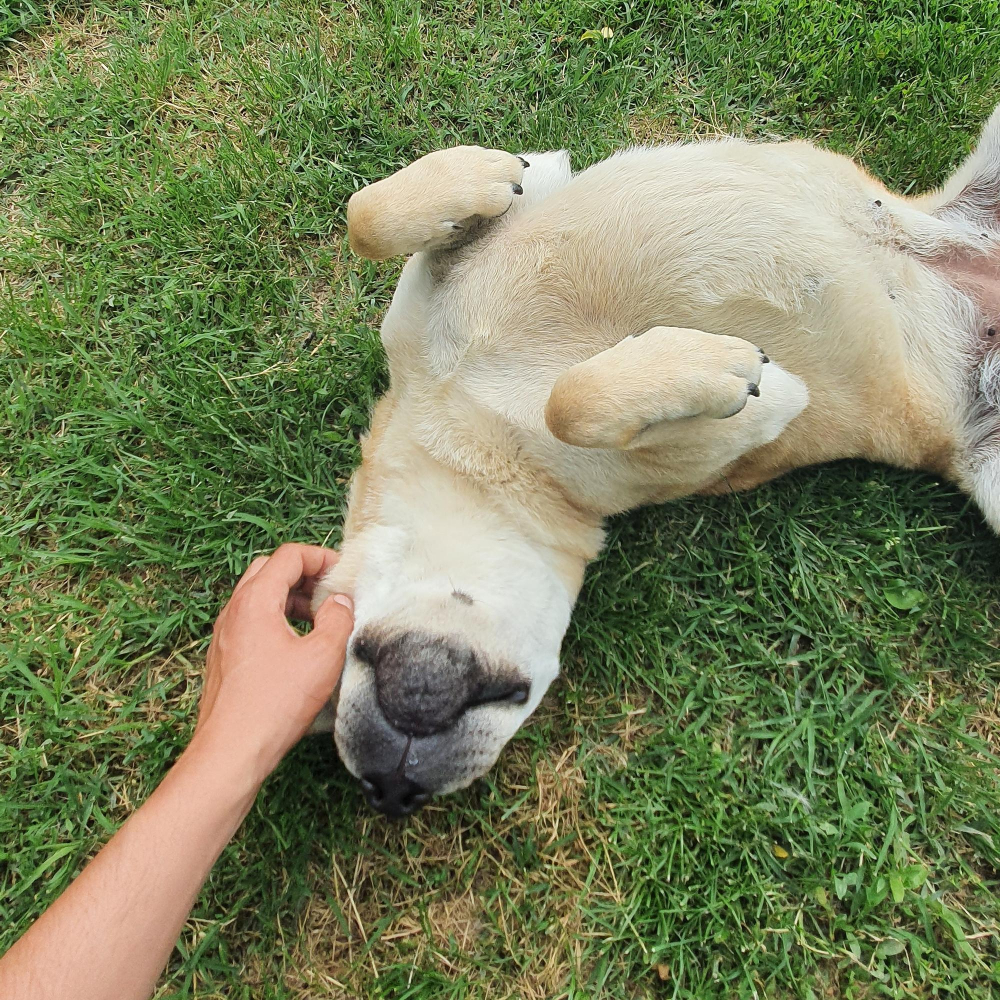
(622, 396)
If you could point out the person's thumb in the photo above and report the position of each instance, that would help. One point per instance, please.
(332, 626)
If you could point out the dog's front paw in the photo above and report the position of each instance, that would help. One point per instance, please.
(473, 184)
(711, 375)
(626, 396)
(435, 202)
(734, 373)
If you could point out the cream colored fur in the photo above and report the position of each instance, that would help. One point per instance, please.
(597, 343)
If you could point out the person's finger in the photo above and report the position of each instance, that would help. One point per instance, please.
(251, 571)
(288, 565)
(332, 627)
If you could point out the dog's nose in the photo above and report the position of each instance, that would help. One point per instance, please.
(425, 683)
(393, 793)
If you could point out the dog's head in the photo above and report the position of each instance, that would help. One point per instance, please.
(438, 679)
(459, 616)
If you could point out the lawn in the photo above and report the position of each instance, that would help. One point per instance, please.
(770, 768)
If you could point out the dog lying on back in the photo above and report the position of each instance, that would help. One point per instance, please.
(685, 319)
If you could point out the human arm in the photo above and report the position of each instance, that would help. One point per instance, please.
(110, 934)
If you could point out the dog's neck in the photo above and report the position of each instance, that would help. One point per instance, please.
(455, 473)
(486, 459)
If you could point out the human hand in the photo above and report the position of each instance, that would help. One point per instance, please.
(265, 683)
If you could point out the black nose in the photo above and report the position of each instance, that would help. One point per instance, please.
(425, 683)
(393, 793)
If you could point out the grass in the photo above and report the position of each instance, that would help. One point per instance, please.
(759, 775)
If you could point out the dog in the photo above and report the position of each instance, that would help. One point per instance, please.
(684, 319)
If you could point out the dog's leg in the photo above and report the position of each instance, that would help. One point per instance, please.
(971, 189)
(433, 203)
(629, 395)
(694, 402)
(986, 490)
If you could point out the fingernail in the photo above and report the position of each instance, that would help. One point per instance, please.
(344, 600)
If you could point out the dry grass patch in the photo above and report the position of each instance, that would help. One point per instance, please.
(334, 31)
(19, 232)
(940, 689)
(447, 899)
(650, 130)
(217, 99)
(200, 110)
(320, 291)
(84, 43)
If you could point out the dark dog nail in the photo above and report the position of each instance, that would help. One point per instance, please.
(524, 162)
(518, 189)
(753, 389)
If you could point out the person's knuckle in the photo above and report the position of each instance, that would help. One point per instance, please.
(236, 607)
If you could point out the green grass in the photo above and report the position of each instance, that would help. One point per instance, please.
(757, 777)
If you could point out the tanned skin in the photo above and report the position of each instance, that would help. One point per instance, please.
(110, 934)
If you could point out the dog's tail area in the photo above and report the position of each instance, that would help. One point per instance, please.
(972, 193)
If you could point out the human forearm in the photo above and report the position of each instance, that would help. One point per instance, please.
(109, 936)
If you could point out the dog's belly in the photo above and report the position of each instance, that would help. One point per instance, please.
(727, 238)
(779, 246)
(976, 275)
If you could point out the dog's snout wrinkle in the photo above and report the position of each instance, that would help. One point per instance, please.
(424, 683)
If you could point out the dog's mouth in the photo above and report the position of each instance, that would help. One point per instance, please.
(399, 773)
(393, 793)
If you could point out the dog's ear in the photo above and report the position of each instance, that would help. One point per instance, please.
(623, 397)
